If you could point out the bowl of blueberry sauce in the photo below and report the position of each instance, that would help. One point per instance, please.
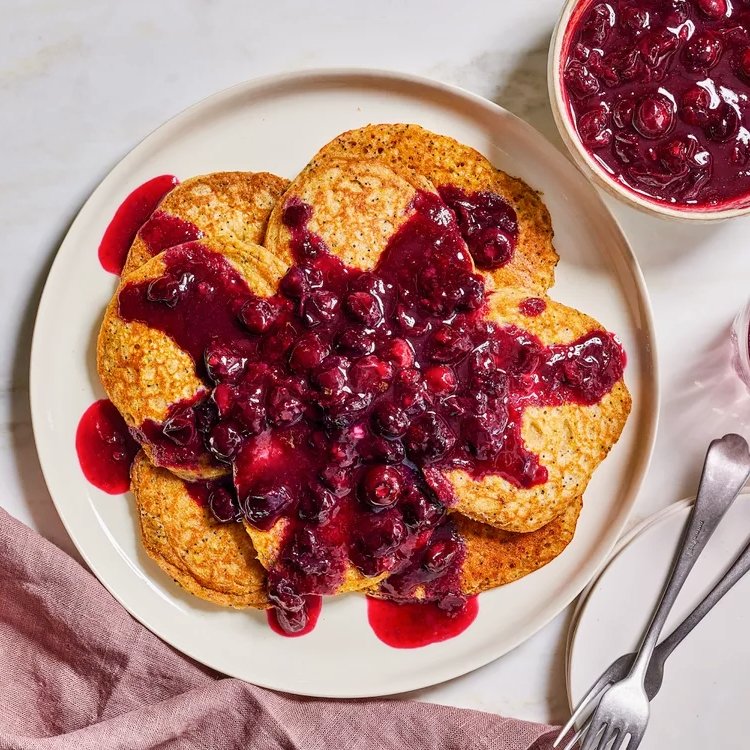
(652, 98)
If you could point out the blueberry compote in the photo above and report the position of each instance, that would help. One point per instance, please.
(340, 402)
(658, 92)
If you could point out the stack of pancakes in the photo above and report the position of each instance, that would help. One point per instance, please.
(362, 187)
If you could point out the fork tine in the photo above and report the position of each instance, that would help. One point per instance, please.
(578, 735)
(625, 735)
(594, 736)
(609, 736)
(602, 683)
(634, 738)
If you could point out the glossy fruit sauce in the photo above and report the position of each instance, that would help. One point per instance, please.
(105, 448)
(338, 403)
(412, 625)
(137, 212)
(658, 93)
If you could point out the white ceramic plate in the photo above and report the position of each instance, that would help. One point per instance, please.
(703, 700)
(277, 124)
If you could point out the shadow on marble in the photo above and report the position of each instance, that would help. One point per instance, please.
(659, 243)
(523, 90)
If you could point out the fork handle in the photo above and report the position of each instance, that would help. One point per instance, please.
(725, 470)
(737, 570)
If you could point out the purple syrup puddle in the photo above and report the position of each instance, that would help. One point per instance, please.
(339, 403)
(658, 93)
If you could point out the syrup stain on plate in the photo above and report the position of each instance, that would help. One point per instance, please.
(105, 448)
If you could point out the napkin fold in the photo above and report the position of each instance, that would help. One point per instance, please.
(78, 672)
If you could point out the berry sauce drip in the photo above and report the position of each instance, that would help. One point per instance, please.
(412, 625)
(658, 92)
(293, 624)
(532, 306)
(129, 218)
(340, 402)
(105, 448)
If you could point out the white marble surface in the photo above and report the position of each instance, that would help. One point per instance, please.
(81, 83)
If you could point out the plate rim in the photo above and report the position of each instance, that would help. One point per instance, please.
(384, 78)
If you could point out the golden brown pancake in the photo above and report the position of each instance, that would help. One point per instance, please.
(231, 206)
(361, 189)
(144, 371)
(444, 161)
(212, 560)
(570, 440)
(269, 545)
(358, 204)
(495, 557)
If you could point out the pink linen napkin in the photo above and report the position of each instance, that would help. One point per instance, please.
(77, 672)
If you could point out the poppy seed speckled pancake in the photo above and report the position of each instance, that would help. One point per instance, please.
(209, 559)
(446, 162)
(495, 557)
(570, 439)
(145, 372)
(357, 207)
(231, 206)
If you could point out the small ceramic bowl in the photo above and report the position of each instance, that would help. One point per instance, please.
(582, 157)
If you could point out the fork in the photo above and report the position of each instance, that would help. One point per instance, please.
(623, 711)
(655, 673)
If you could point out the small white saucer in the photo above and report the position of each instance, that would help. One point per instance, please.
(703, 702)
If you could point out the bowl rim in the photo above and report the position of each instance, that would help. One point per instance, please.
(583, 158)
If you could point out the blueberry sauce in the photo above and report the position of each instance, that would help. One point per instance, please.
(105, 448)
(488, 224)
(339, 403)
(658, 93)
(416, 624)
(129, 218)
(532, 306)
(293, 624)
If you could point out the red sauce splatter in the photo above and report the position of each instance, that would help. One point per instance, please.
(532, 306)
(312, 608)
(105, 448)
(416, 625)
(129, 218)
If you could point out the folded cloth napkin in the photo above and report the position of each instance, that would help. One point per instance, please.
(76, 671)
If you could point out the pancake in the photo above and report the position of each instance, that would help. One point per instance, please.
(225, 206)
(571, 440)
(444, 161)
(269, 544)
(211, 560)
(358, 205)
(145, 372)
(491, 557)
